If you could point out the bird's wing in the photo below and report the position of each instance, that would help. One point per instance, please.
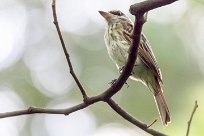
(146, 55)
(145, 52)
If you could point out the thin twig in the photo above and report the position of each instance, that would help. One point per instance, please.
(191, 118)
(65, 51)
(152, 123)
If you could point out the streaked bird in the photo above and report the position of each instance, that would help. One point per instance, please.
(118, 39)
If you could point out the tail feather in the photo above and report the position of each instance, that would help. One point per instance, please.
(162, 107)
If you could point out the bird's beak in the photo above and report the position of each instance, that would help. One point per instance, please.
(106, 15)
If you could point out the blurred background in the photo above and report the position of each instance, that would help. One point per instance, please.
(34, 72)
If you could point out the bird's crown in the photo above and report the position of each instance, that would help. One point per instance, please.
(117, 12)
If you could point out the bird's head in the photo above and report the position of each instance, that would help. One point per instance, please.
(114, 16)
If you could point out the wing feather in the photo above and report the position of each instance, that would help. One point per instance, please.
(145, 52)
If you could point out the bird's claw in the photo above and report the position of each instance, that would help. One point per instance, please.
(112, 82)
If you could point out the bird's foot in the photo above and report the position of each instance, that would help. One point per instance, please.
(112, 82)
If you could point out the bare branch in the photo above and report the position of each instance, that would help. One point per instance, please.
(148, 5)
(90, 101)
(67, 111)
(131, 119)
(66, 53)
(191, 118)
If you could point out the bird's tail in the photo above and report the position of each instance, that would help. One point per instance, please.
(162, 106)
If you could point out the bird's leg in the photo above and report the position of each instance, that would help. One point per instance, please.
(114, 80)
(120, 71)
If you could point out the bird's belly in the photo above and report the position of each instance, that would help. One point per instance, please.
(118, 55)
(138, 72)
(141, 73)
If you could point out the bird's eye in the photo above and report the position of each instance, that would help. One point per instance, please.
(119, 14)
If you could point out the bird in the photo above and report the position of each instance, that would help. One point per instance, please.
(118, 39)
